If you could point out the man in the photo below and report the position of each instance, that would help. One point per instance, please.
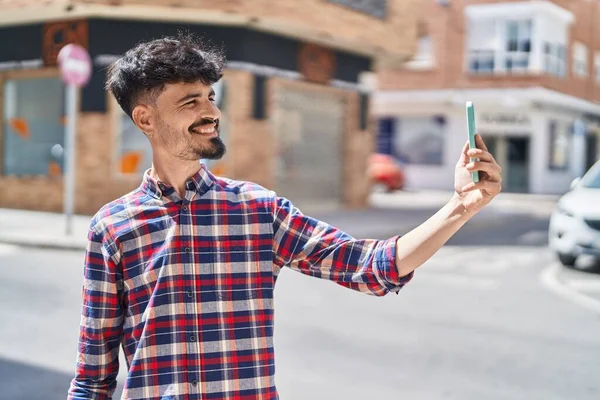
(181, 271)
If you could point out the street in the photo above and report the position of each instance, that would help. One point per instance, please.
(475, 323)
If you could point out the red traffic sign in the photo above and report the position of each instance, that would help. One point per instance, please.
(75, 65)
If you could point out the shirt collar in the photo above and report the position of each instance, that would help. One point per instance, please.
(200, 182)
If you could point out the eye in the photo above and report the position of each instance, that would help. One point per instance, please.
(190, 103)
(211, 99)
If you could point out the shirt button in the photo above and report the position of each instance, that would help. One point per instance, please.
(184, 208)
(194, 383)
(190, 294)
(192, 338)
(187, 249)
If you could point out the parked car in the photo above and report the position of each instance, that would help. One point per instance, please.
(384, 170)
(575, 222)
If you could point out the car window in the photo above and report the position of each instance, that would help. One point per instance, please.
(591, 180)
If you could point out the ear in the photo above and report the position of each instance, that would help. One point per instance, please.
(144, 119)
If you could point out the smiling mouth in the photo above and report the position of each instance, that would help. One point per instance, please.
(208, 127)
(205, 131)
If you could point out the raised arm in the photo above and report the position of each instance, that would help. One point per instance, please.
(320, 250)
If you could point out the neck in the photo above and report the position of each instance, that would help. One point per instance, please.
(174, 172)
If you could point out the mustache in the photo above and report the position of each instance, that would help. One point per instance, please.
(205, 121)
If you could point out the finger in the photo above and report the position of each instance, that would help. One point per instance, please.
(479, 143)
(481, 155)
(485, 166)
(491, 169)
(488, 187)
(464, 158)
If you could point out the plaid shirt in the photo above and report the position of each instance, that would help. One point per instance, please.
(185, 286)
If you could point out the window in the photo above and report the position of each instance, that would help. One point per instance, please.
(511, 55)
(559, 145)
(524, 37)
(555, 61)
(597, 66)
(385, 136)
(133, 151)
(580, 60)
(33, 126)
(424, 57)
(419, 140)
(482, 61)
(482, 45)
(518, 45)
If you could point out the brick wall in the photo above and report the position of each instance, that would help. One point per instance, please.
(252, 142)
(446, 25)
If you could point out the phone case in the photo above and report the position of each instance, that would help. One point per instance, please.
(471, 131)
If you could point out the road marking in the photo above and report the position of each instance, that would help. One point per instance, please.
(549, 279)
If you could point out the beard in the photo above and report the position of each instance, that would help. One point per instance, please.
(214, 150)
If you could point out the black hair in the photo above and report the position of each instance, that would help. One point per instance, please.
(145, 69)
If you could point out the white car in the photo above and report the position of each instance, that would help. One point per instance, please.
(575, 222)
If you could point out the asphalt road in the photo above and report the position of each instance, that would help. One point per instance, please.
(475, 323)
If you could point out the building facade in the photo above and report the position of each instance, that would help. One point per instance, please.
(532, 69)
(295, 105)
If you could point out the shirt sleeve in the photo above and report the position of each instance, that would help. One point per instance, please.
(317, 249)
(101, 323)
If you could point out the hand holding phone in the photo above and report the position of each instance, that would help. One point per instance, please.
(471, 133)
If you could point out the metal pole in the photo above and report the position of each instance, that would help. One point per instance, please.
(69, 176)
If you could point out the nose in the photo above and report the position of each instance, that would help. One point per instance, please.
(212, 112)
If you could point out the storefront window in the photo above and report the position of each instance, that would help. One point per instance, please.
(420, 140)
(559, 146)
(33, 126)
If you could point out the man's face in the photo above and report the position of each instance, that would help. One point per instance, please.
(186, 122)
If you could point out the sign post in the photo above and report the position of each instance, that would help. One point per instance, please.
(76, 69)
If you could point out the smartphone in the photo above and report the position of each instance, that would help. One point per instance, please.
(471, 131)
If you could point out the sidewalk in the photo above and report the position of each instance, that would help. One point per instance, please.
(42, 229)
(539, 204)
(392, 213)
